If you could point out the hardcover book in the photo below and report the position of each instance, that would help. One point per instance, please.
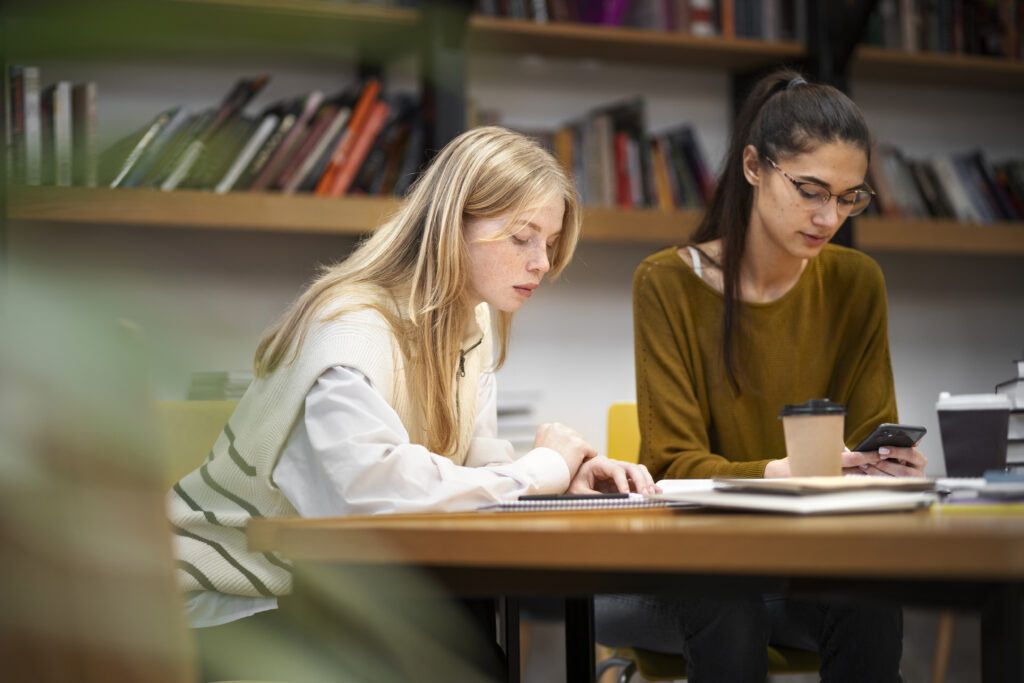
(289, 144)
(330, 182)
(84, 135)
(243, 90)
(267, 125)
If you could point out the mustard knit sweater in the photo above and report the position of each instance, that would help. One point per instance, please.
(825, 338)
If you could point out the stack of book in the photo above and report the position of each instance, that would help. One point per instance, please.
(355, 141)
(980, 27)
(51, 131)
(219, 385)
(764, 19)
(964, 186)
(616, 163)
(804, 495)
(1014, 388)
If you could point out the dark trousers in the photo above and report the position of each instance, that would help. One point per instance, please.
(725, 638)
(305, 642)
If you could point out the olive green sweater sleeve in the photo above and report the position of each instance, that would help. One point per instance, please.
(825, 338)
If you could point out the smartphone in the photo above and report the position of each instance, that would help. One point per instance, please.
(888, 434)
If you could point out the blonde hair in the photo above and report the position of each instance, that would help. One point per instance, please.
(418, 260)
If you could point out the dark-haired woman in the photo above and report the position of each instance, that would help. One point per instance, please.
(757, 312)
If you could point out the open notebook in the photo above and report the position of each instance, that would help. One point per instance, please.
(632, 500)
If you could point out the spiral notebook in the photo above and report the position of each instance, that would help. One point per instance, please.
(571, 502)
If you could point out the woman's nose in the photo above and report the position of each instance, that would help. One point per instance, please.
(829, 214)
(540, 262)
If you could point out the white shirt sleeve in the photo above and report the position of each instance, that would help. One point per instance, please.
(350, 454)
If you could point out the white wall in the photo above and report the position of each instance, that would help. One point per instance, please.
(203, 298)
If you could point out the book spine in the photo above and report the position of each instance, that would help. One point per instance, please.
(539, 10)
(263, 131)
(727, 18)
(314, 163)
(367, 134)
(185, 164)
(140, 146)
(84, 124)
(16, 125)
(317, 128)
(62, 151)
(623, 192)
(951, 182)
(341, 152)
(266, 151)
(289, 144)
(162, 149)
(33, 126)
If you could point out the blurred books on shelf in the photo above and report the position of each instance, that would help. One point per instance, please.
(516, 421)
(764, 19)
(1014, 388)
(219, 385)
(965, 186)
(51, 129)
(979, 27)
(358, 141)
(615, 162)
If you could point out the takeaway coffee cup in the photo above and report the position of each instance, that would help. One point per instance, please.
(973, 428)
(814, 437)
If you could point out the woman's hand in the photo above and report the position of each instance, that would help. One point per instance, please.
(892, 461)
(567, 443)
(777, 469)
(601, 475)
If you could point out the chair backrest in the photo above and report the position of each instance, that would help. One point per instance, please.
(188, 430)
(623, 432)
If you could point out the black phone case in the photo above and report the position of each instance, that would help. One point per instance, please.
(887, 434)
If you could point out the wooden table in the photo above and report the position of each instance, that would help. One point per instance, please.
(943, 557)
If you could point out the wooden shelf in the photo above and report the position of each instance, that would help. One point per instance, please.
(927, 68)
(623, 44)
(197, 210)
(191, 209)
(874, 233)
(200, 30)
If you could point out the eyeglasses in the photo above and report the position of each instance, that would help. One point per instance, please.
(815, 196)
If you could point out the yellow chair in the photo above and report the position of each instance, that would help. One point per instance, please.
(188, 432)
(624, 444)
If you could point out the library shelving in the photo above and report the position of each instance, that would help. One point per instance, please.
(197, 210)
(308, 25)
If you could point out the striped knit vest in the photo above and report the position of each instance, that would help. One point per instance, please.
(209, 507)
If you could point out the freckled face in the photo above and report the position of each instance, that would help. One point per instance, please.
(783, 215)
(504, 271)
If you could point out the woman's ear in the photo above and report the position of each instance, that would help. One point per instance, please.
(752, 165)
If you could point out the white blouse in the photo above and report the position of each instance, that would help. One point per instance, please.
(350, 454)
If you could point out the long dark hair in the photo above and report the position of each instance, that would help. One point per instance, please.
(783, 115)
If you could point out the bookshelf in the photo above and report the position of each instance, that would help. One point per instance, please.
(319, 27)
(194, 210)
(624, 44)
(193, 31)
(923, 68)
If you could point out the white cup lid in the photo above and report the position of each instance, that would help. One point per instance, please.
(973, 401)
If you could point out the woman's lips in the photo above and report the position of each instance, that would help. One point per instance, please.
(814, 240)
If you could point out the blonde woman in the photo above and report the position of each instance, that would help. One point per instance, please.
(375, 392)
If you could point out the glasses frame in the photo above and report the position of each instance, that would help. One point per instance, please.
(828, 193)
